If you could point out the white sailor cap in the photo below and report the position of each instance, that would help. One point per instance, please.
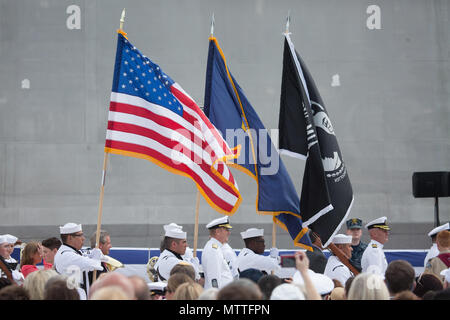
(379, 223)
(69, 228)
(436, 230)
(322, 283)
(342, 239)
(3, 239)
(446, 274)
(219, 222)
(287, 291)
(252, 233)
(172, 225)
(10, 238)
(157, 287)
(175, 233)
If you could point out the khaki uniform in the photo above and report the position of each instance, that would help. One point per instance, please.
(436, 265)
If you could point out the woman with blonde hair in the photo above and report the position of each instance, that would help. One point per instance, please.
(368, 286)
(35, 283)
(188, 291)
(31, 255)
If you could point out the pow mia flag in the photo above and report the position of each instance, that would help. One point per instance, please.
(306, 132)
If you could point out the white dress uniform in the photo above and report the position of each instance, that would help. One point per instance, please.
(74, 263)
(373, 259)
(247, 259)
(231, 258)
(335, 269)
(189, 257)
(434, 251)
(169, 259)
(166, 261)
(69, 261)
(215, 267)
(15, 272)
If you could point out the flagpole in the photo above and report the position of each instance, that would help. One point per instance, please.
(100, 208)
(197, 205)
(274, 226)
(212, 25)
(288, 20)
(102, 187)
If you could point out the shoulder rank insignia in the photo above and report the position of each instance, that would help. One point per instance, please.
(374, 245)
(215, 246)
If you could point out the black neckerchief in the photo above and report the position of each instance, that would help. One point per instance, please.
(175, 254)
(77, 251)
(6, 263)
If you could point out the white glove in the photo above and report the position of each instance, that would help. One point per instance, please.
(97, 254)
(195, 261)
(17, 275)
(274, 253)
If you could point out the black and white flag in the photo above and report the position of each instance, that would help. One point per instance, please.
(306, 132)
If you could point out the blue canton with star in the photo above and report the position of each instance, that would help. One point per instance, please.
(138, 76)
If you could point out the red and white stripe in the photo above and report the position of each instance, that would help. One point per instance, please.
(189, 144)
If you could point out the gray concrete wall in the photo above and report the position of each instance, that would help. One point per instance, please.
(390, 111)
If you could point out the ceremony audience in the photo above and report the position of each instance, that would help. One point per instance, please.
(427, 282)
(338, 293)
(397, 283)
(113, 279)
(399, 276)
(208, 294)
(287, 291)
(110, 293)
(240, 289)
(141, 290)
(185, 268)
(267, 283)
(14, 292)
(187, 291)
(174, 282)
(406, 295)
(31, 256)
(368, 286)
(49, 248)
(35, 283)
(57, 288)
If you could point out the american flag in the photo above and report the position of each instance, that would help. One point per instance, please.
(151, 117)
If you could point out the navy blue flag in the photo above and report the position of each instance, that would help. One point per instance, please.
(231, 113)
(306, 132)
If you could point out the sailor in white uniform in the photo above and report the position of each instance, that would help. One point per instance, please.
(335, 269)
(8, 242)
(251, 257)
(216, 269)
(188, 255)
(231, 258)
(373, 259)
(71, 261)
(175, 245)
(434, 251)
